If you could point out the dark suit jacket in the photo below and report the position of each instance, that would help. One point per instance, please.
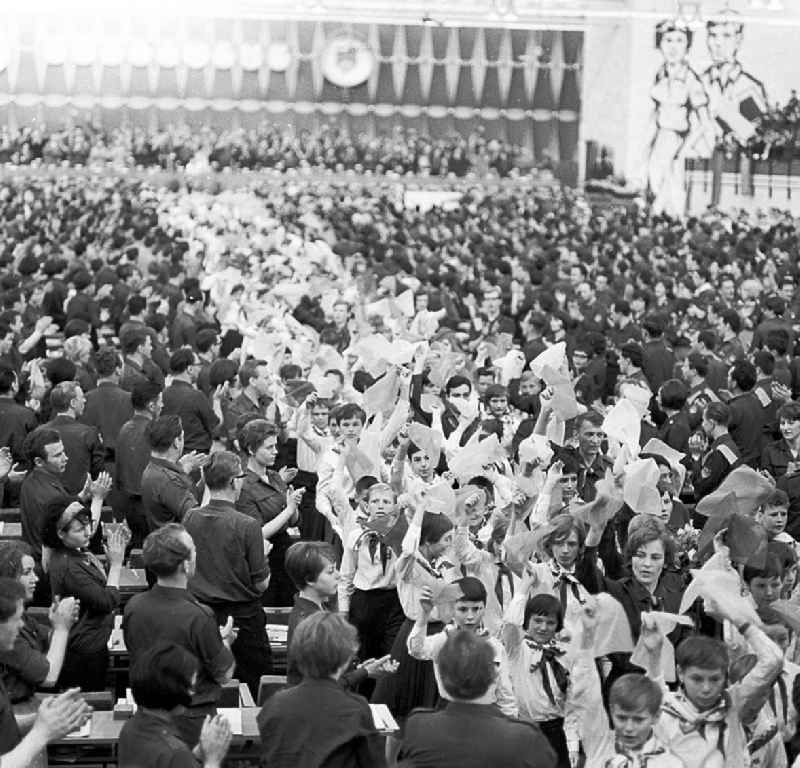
(472, 736)
(659, 363)
(108, 407)
(318, 723)
(84, 449)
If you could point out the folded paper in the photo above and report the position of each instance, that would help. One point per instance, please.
(382, 395)
(640, 490)
(750, 488)
(470, 460)
(554, 357)
(624, 424)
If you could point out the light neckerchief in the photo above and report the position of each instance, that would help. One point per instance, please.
(639, 759)
(546, 661)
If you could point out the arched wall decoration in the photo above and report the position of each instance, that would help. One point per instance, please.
(514, 84)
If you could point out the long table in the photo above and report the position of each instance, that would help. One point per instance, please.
(106, 730)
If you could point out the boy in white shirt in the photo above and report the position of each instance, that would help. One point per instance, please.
(634, 703)
(468, 615)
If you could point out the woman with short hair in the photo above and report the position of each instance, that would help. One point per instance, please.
(318, 722)
(162, 680)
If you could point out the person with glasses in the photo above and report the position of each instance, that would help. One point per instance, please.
(232, 572)
(75, 572)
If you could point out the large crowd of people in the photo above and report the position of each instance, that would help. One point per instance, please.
(513, 463)
(178, 146)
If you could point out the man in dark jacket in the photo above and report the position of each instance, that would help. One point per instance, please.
(471, 732)
(108, 406)
(82, 443)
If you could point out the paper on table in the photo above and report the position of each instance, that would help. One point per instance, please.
(234, 717)
(84, 732)
(383, 719)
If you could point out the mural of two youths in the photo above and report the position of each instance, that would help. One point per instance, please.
(695, 113)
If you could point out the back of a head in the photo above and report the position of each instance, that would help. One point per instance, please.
(223, 467)
(744, 373)
(322, 644)
(161, 677)
(466, 666)
(163, 431)
(165, 549)
(305, 561)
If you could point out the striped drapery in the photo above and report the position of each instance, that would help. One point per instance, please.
(519, 85)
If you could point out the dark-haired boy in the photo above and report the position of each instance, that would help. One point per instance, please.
(468, 614)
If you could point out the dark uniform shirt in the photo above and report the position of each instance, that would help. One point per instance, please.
(318, 718)
(151, 739)
(167, 493)
(39, 488)
(84, 448)
(108, 407)
(132, 455)
(699, 397)
(675, 431)
(173, 615)
(16, 421)
(80, 575)
(132, 373)
(264, 498)
(746, 427)
(776, 457)
(769, 409)
(658, 363)
(721, 457)
(25, 667)
(198, 419)
(10, 735)
(230, 554)
(468, 735)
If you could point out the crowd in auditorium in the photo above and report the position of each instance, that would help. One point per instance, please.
(523, 470)
(176, 146)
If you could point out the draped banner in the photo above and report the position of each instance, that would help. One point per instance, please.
(523, 86)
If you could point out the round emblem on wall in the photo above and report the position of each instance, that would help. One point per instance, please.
(278, 56)
(347, 60)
